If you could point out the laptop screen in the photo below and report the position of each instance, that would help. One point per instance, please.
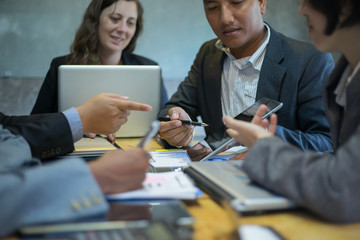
(78, 83)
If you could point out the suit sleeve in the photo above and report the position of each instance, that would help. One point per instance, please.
(49, 135)
(327, 184)
(186, 95)
(14, 150)
(61, 191)
(312, 131)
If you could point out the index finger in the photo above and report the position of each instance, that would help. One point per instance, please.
(131, 105)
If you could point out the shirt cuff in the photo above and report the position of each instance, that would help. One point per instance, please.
(75, 123)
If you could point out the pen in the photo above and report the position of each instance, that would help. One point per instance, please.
(154, 128)
(186, 122)
(115, 144)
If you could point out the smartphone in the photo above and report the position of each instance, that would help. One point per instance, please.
(247, 115)
(271, 105)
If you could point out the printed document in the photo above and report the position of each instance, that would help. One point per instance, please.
(166, 185)
(169, 159)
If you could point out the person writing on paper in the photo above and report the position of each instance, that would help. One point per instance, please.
(250, 60)
(327, 184)
(65, 190)
(69, 189)
(106, 36)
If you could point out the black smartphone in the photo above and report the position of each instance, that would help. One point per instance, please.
(271, 105)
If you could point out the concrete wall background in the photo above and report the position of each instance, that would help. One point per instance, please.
(32, 32)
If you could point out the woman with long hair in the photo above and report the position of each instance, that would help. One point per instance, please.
(106, 36)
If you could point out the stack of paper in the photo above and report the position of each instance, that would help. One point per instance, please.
(93, 144)
(91, 148)
(167, 185)
(169, 159)
(237, 149)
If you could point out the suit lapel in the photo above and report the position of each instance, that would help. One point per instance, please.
(351, 118)
(213, 66)
(333, 110)
(272, 72)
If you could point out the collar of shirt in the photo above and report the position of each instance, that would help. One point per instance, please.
(239, 78)
(254, 60)
(345, 80)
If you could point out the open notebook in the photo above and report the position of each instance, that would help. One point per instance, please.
(78, 83)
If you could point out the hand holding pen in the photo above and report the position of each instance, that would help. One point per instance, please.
(185, 122)
(179, 130)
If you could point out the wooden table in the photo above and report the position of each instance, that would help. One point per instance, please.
(214, 222)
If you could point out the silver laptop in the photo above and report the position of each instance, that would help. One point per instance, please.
(227, 181)
(78, 83)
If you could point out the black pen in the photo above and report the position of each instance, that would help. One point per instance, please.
(186, 122)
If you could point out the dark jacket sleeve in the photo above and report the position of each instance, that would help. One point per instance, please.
(302, 121)
(47, 100)
(49, 135)
(188, 94)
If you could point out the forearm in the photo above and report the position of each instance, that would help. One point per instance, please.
(48, 135)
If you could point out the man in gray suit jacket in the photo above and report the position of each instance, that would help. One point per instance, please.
(69, 189)
(250, 61)
(64, 190)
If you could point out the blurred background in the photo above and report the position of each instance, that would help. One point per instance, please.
(33, 32)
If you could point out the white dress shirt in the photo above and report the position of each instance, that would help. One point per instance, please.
(239, 78)
(75, 123)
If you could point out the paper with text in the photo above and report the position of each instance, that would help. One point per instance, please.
(167, 185)
(172, 159)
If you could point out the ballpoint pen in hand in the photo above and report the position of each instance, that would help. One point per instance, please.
(154, 128)
(186, 122)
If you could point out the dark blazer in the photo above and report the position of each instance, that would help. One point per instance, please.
(293, 72)
(49, 135)
(47, 100)
(327, 184)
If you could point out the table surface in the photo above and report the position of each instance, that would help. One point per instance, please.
(214, 222)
